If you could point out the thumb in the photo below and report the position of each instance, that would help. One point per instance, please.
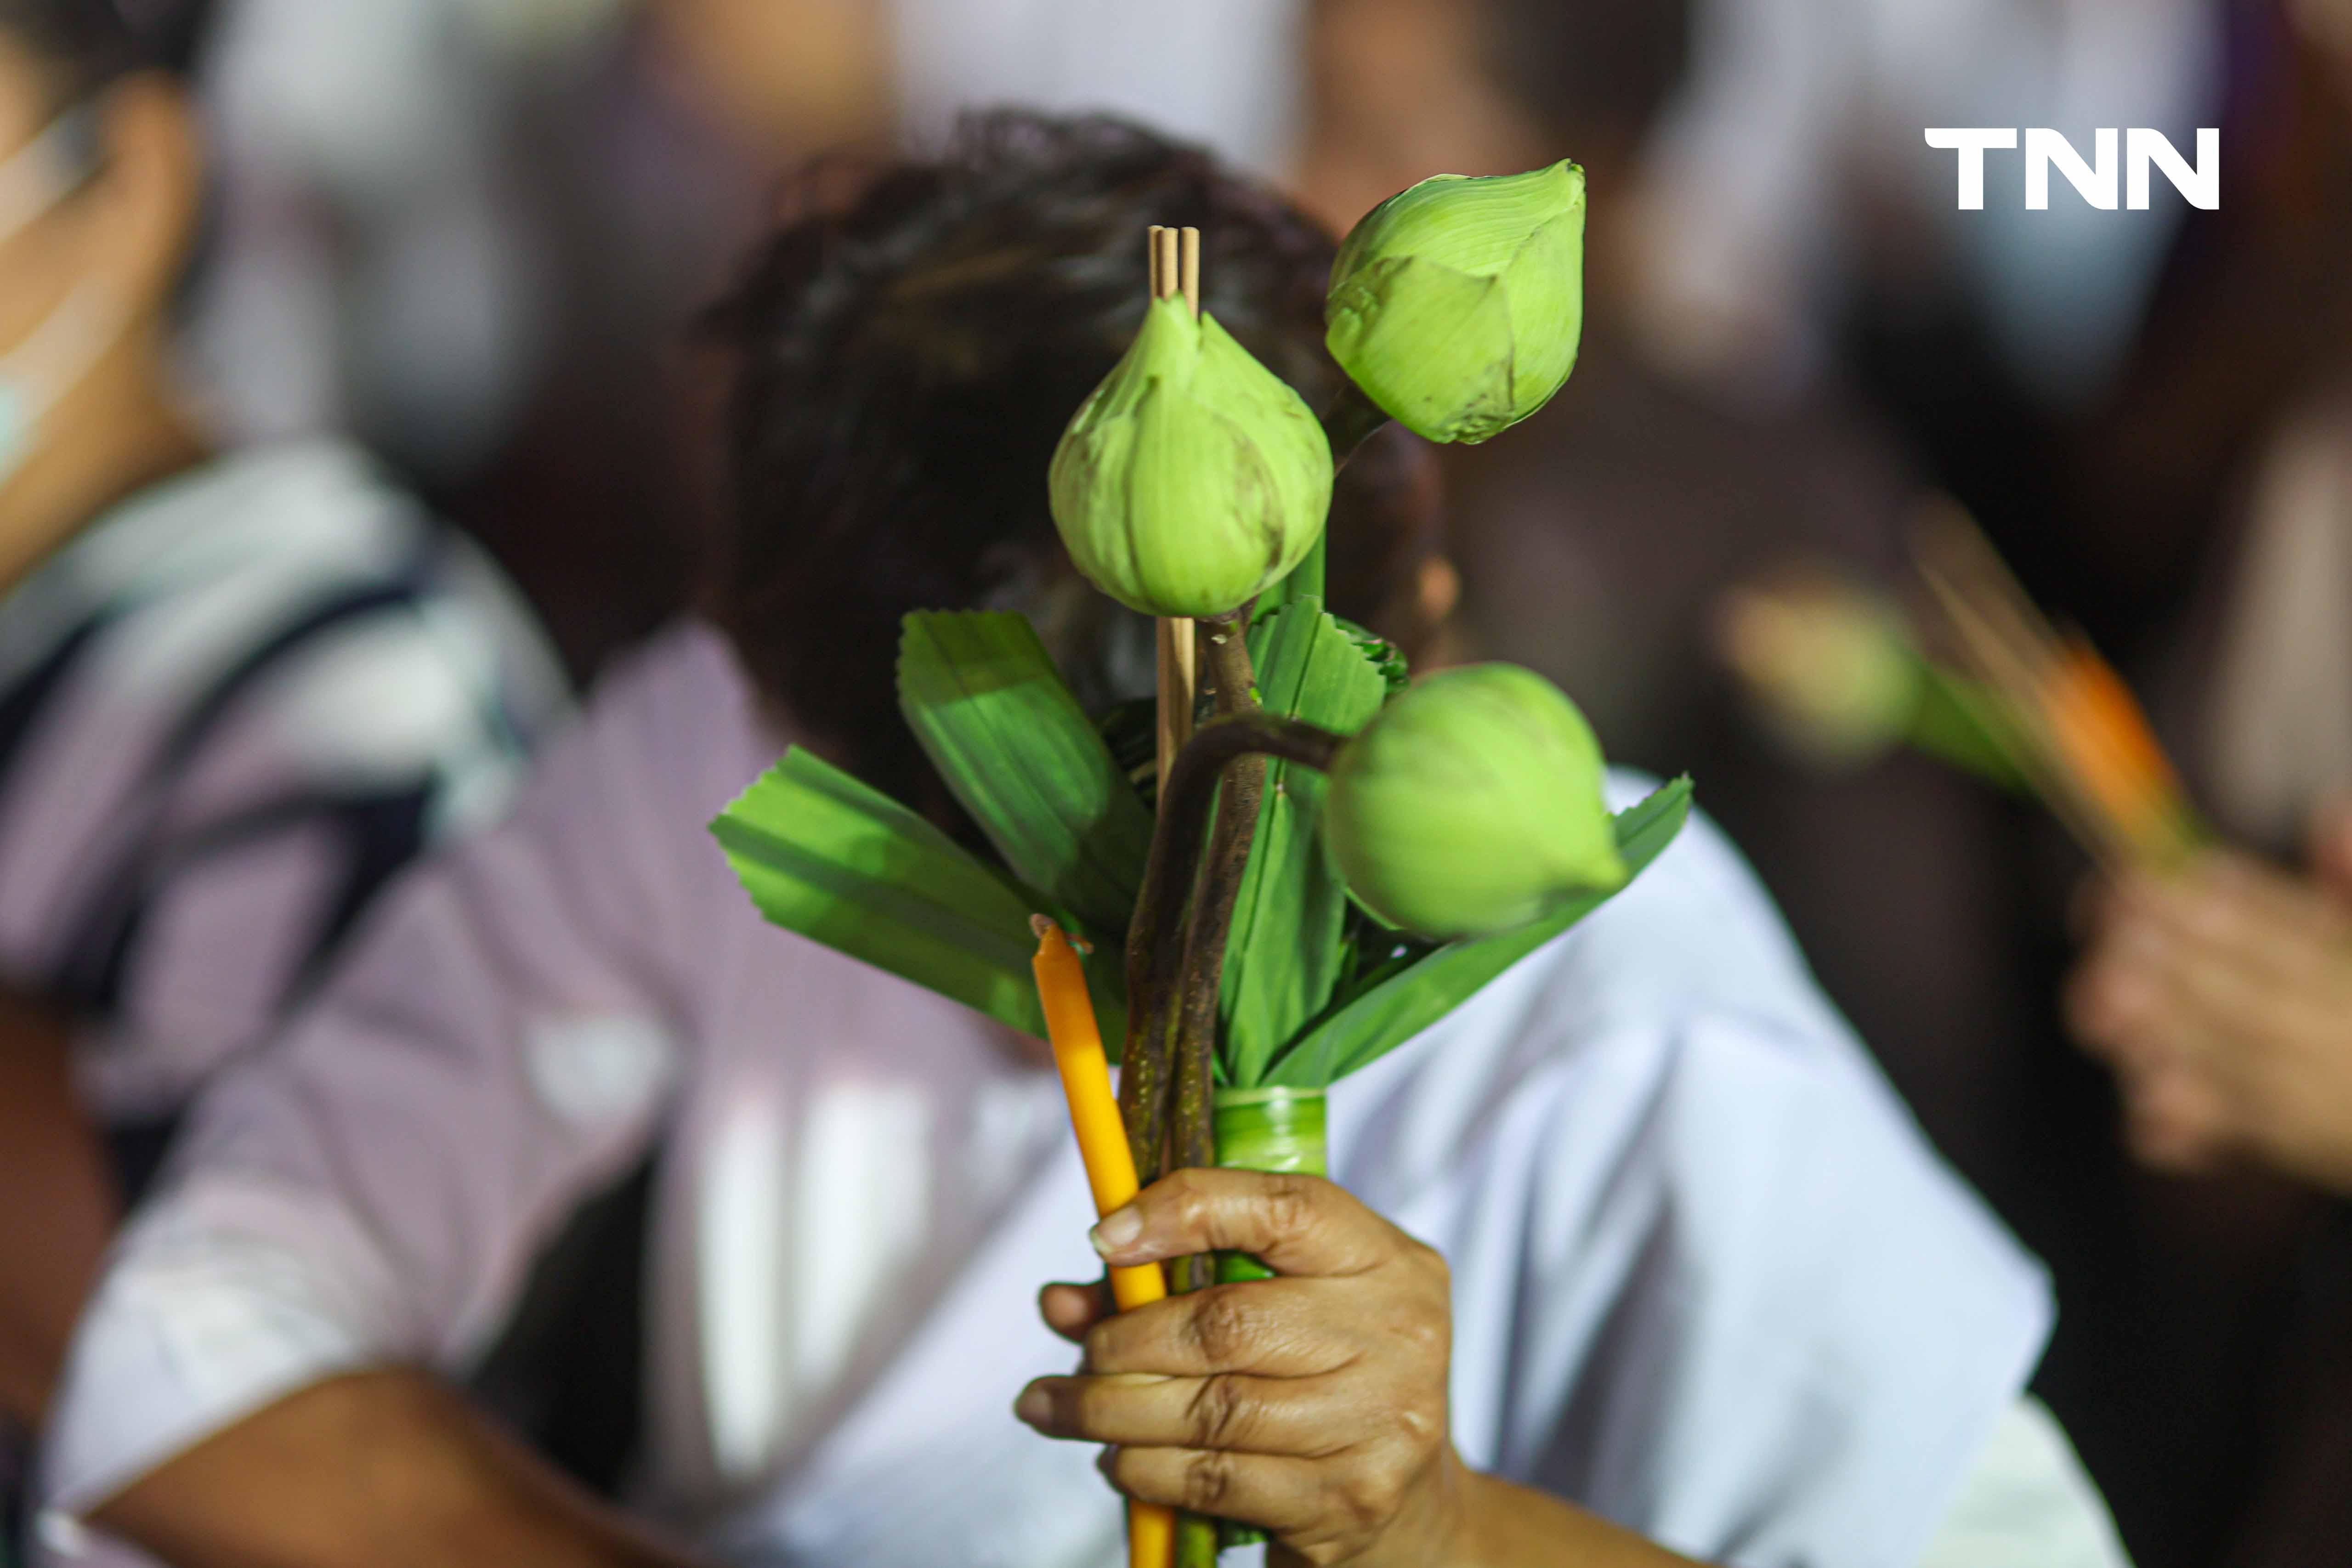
(1293, 1224)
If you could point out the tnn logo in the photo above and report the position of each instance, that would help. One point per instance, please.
(2046, 149)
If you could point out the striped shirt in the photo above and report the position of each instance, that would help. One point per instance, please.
(229, 709)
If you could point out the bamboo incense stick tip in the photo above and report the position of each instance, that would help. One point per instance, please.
(1170, 267)
(1188, 270)
(1179, 670)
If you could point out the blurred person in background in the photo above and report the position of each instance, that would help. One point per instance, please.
(470, 231)
(238, 688)
(2219, 994)
(1792, 335)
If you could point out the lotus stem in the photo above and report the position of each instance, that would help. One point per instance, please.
(1192, 1135)
(1156, 937)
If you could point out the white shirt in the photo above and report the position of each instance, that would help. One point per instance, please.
(1709, 1279)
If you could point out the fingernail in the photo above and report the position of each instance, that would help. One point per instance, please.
(1120, 1230)
(1034, 1406)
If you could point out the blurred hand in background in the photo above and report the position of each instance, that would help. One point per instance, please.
(2222, 997)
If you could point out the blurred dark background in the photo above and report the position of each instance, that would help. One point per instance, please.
(476, 231)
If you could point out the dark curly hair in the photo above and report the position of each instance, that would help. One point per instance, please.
(909, 345)
(85, 44)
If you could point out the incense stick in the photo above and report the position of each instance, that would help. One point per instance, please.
(1176, 271)
(2071, 725)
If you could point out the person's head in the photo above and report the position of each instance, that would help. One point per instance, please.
(909, 345)
(101, 182)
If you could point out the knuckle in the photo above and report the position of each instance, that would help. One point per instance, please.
(1221, 1411)
(1427, 1338)
(1290, 1204)
(1401, 1434)
(1420, 1424)
(1223, 1325)
(1186, 1192)
(1376, 1487)
(1208, 1481)
(1080, 1405)
(1364, 1507)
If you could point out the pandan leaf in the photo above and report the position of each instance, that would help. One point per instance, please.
(1385, 656)
(1000, 725)
(1285, 954)
(1397, 1005)
(844, 865)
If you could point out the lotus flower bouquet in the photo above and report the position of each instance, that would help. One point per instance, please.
(1327, 857)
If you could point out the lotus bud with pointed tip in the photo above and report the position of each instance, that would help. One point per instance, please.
(1472, 804)
(1193, 477)
(1457, 305)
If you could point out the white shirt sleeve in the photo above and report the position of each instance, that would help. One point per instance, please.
(499, 1042)
(2027, 1500)
(1710, 1281)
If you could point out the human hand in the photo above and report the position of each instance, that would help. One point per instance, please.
(2222, 996)
(1312, 1405)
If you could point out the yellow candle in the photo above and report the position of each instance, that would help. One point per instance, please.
(1111, 1169)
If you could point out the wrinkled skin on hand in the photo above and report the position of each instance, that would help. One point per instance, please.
(1312, 1405)
(2222, 995)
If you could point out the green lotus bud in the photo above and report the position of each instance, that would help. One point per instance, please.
(1457, 305)
(1472, 804)
(1194, 477)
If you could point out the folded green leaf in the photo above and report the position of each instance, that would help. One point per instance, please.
(844, 865)
(1000, 725)
(1285, 954)
(1394, 1009)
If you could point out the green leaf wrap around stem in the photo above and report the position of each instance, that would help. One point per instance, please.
(1278, 1130)
(1281, 1131)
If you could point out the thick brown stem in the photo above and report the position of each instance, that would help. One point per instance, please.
(1157, 936)
(1143, 1077)
(1191, 1139)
